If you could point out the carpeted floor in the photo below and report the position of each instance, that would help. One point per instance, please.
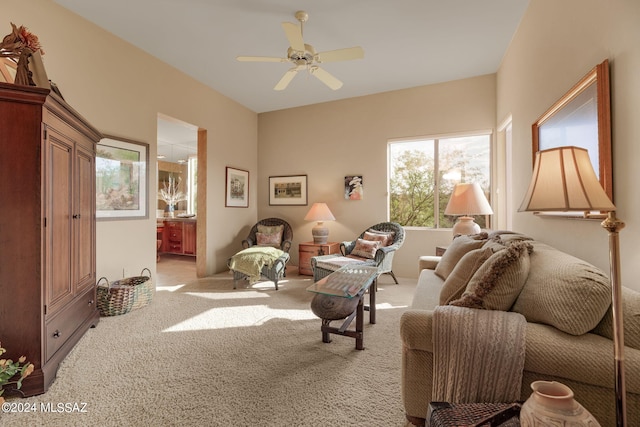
(204, 354)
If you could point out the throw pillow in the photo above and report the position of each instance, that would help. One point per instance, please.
(270, 229)
(498, 282)
(563, 291)
(456, 250)
(269, 239)
(376, 237)
(390, 235)
(630, 316)
(365, 248)
(457, 281)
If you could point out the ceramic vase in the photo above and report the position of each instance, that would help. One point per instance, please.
(552, 404)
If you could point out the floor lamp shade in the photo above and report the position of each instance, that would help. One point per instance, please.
(319, 212)
(467, 199)
(564, 180)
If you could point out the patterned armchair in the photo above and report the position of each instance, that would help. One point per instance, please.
(383, 257)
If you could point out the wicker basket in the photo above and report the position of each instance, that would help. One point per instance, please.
(122, 296)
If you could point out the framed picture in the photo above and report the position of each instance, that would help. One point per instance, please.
(288, 190)
(237, 188)
(353, 187)
(122, 179)
(582, 118)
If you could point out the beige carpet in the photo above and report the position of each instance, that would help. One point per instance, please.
(204, 354)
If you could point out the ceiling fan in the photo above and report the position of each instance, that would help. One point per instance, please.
(304, 57)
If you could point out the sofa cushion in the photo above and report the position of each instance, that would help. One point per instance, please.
(464, 270)
(563, 291)
(456, 250)
(498, 282)
(630, 319)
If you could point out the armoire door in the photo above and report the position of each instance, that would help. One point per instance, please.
(58, 213)
(84, 219)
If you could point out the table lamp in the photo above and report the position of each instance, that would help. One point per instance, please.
(319, 212)
(564, 180)
(467, 199)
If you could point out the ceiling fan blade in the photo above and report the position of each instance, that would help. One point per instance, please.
(294, 35)
(346, 54)
(260, 59)
(326, 78)
(286, 79)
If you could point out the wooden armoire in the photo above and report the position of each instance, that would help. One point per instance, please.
(47, 230)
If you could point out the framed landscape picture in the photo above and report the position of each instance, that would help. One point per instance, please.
(237, 188)
(121, 179)
(288, 190)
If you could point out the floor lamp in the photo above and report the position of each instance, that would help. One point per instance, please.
(564, 180)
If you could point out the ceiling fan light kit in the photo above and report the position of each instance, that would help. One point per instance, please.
(304, 57)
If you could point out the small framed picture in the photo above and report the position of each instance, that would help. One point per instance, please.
(237, 188)
(353, 187)
(288, 190)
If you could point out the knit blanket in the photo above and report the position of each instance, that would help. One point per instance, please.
(251, 260)
(478, 355)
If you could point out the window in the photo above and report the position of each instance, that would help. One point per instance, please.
(423, 172)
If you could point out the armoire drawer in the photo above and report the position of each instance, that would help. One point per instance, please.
(58, 330)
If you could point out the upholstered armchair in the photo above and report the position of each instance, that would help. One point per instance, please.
(375, 246)
(260, 231)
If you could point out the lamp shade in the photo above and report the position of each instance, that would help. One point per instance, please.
(468, 199)
(319, 212)
(564, 180)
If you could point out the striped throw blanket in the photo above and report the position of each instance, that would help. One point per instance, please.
(478, 355)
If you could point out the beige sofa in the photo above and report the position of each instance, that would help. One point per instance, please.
(565, 301)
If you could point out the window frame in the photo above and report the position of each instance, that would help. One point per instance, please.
(436, 138)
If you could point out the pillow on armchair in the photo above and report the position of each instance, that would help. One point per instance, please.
(269, 239)
(384, 237)
(365, 248)
(269, 235)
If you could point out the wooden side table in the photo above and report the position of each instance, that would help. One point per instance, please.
(307, 250)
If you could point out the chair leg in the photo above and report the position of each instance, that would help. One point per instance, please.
(394, 277)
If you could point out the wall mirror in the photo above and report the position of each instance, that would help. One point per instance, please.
(582, 118)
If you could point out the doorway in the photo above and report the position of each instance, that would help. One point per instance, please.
(181, 189)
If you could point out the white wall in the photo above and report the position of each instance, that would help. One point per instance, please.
(120, 90)
(332, 140)
(556, 44)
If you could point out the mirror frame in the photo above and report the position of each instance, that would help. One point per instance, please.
(598, 76)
